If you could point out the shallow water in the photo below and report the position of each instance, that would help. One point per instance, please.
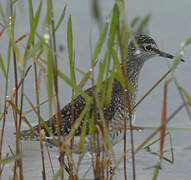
(169, 26)
(145, 161)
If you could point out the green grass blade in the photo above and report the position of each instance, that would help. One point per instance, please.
(119, 74)
(50, 76)
(143, 24)
(135, 21)
(48, 53)
(33, 23)
(70, 39)
(188, 42)
(31, 13)
(2, 66)
(73, 85)
(156, 171)
(181, 52)
(83, 134)
(186, 94)
(86, 75)
(58, 174)
(61, 18)
(100, 43)
(102, 68)
(113, 27)
(70, 49)
(10, 159)
(32, 52)
(91, 120)
(109, 87)
(111, 36)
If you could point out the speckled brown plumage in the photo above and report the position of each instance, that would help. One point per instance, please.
(140, 49)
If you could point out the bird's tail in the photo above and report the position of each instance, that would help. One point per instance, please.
(30, 134)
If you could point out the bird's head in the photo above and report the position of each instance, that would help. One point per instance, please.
(143, 47)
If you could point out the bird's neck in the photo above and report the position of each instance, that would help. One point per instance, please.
(133, 69)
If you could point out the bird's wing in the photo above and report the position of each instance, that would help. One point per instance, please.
(69, 115)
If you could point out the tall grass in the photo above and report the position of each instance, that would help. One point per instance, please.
(40, 50)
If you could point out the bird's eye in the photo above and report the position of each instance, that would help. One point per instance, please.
(148, 47)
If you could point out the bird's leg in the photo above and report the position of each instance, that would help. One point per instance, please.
(137, 128)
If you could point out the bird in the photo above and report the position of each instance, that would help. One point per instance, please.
(141, 48)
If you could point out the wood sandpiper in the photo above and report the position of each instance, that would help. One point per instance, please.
(139, 51)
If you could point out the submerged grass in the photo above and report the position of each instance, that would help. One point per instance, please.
(41, 51)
